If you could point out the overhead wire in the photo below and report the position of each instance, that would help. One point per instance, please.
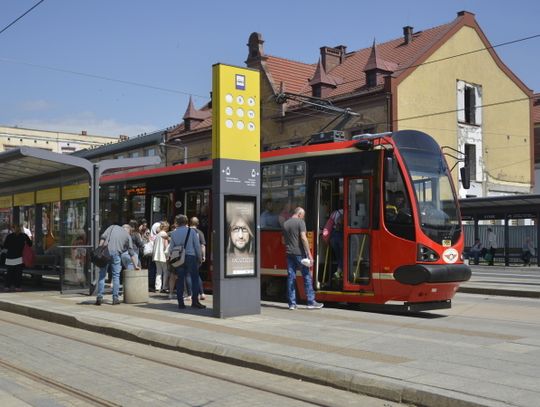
(139, 84)
(21, 16)
(105, 78)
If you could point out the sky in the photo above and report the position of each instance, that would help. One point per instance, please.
(114, 67)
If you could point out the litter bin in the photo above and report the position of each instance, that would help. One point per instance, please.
(135, 286)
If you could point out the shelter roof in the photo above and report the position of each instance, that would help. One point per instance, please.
(500, 205)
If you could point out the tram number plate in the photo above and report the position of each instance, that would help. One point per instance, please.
(446, 243)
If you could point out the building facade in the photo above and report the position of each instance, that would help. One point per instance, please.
(446, 81)
(55, 141)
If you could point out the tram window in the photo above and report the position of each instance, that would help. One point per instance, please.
(359, 203)
(283, 189)
(398, 213)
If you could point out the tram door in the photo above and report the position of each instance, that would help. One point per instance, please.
(161, 207)
(343, 244)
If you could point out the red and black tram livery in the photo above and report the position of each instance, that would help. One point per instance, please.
(395, 237)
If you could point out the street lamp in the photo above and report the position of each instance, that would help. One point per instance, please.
(173, 144)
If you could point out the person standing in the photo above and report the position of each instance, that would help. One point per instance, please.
(14, 244)
(297, 248)
(118, 241)
(159, 257)
(491, 245)
(336, 240)
(193, 224)
(527, 251)
(136, 237)
(183, 236)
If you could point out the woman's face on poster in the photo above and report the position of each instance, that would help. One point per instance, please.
(240, 234)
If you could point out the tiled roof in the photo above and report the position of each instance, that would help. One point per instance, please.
(192, 113)
(395, 54)
(294, 74)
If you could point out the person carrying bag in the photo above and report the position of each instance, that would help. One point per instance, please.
(177, 254)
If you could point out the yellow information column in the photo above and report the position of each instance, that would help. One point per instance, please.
(236, 184)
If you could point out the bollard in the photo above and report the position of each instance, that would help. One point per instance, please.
(135, 286)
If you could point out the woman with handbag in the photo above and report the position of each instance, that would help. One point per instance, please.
(14, 244)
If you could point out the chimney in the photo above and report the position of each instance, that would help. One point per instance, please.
(343, 50)
(407, 34)
(332, 57)
(123, 137)
(255, 50)
(83, 132)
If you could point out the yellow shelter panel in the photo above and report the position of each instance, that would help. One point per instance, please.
(24, 199)
(235, 113)
(6, 201)
(48, 195)
(77, 191)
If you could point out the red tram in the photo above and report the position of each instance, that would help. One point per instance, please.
(396, 238)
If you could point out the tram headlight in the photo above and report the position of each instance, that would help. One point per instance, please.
(426, 254)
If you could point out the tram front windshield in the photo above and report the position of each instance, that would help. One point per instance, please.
(435, 197)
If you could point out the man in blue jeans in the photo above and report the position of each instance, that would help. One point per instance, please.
(297, 249)
(189, 239)
(118, 241)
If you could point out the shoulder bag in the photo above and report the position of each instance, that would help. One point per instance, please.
(101, 256)
(177, 255)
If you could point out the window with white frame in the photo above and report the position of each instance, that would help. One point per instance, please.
(469, 103)
(470, 159)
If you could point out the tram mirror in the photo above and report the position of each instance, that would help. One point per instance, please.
(391, 169)
(465, 173)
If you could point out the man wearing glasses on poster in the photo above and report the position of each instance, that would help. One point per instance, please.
(240, 239)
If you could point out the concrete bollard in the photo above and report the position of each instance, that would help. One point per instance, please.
(135, 286)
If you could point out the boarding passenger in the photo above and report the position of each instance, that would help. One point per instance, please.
(118, 241)
(336, 240)
(297, 249)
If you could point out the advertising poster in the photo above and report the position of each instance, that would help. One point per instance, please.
(240, 236)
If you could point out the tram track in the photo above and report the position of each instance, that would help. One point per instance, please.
(62, 387)
(275, 389)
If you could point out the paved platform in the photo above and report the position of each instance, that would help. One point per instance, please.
(512, 281)
(417, 360)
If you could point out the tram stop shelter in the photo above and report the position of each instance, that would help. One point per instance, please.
(56, 198)
(512, 218)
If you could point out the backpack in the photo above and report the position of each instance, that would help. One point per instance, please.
(331, 225)
(328, 227)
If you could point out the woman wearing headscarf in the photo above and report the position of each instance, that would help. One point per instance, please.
(154, 230)
(159, 256)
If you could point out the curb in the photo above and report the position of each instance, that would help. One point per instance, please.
(499, 291)
(344, 379)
